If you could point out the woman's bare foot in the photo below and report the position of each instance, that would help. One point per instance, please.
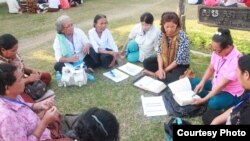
(112, 64)
(122, 56)
(90, 70)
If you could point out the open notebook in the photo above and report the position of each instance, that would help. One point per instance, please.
(153, 106)
(150, 84)
(182, 92)
(130, 69)
(116, 75)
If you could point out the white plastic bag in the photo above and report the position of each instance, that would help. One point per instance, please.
(73, 76)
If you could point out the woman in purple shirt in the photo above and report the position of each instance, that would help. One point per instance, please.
(18, 120)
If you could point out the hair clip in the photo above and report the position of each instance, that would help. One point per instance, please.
(98, 121)
(218, 33)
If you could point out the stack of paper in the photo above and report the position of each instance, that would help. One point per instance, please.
(116, 75)
(182, 92)
(153, 106)
(131, 69)
(150, 84)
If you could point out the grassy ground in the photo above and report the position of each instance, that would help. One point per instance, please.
(36, 33)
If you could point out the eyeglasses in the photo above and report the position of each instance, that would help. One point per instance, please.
(69, 26)
(217, 51)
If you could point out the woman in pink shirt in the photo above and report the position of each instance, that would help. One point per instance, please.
(240, 113)
(18, 120)
(224, 90)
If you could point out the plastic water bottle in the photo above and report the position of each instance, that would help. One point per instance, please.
(58, 79)
(90, 77)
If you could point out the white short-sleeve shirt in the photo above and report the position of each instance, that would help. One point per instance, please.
(79, 42)
(103, 42)
(147, 42)
(13, 6)
(54, 3)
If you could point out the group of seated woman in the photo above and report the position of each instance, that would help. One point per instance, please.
(37, 6)
(239, 113)
(9, 54)
(71, 44)
(145, 41)
(225, 90)
(165, 55)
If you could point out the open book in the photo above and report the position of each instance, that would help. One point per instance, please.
(150, 84)
(131, 69)
(153, 106)
(182, 92)
(116, 75)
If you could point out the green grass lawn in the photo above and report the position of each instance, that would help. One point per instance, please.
(36, 34)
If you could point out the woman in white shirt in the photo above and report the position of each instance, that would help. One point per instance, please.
(142, 40)
(71, 45)
(103, 42)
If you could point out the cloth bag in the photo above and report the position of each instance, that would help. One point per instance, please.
(174, 109)
(133, 51)
(168, 126)
(36, 90)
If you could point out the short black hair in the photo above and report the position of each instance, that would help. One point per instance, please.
(223, 36)
(169, 17)
(244, 63)
(97, 125)
(97, 17)
(7, 76)
(147, 17)
(7, 41)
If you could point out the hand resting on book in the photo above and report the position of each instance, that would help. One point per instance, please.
(199, 101)
(182, 92)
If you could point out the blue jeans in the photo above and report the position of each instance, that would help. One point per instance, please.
(222, 100)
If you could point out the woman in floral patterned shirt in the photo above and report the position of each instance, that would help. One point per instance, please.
(173, 54)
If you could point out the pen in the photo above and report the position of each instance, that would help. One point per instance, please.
(112, 73)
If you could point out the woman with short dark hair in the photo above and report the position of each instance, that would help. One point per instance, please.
(142, 40)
